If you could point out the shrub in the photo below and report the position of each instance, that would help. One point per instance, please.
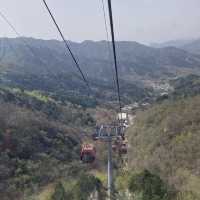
(59, 193)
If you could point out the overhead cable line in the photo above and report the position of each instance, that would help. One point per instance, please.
(105, 21)
(20, 36)
(67, 45)
(28, 47)
(15, 31)
(9, 23)
(107, 35)
(114, 53)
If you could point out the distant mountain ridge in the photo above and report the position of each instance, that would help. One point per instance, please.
(134, 59)
(192, 46)
(172, 43)
(45, 65)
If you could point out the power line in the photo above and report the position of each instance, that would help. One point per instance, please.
(114, 53)
(66, 44)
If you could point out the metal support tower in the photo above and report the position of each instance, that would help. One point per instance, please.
(107, 134)
(110, 175)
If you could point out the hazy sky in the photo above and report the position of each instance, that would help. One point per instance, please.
(137, 20)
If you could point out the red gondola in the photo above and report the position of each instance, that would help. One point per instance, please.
(88, 153)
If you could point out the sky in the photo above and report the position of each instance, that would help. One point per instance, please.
(144, 21)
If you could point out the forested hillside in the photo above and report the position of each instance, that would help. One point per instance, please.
(40, 140)
(136, 61)
(46, 113)
(94, 105)
(33, 64)
(186, 86)
(165, 141)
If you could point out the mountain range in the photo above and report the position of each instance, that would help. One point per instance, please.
(36, 64)
(28, 55)
(192, 45)
(47, 114)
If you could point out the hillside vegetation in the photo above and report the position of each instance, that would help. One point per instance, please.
(40, 141)
(186, 86)
(165, 141)
(46, 113)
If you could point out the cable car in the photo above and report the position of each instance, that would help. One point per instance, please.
(114, 147)
(88, 153)
(121, 132)
(95, 136)
(123, 148)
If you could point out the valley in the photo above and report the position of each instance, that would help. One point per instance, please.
(99, 100)
(46, 114)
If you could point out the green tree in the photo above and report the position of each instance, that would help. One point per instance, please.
(86, 185)
(149, 185)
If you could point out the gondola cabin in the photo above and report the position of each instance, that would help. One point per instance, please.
(114, 147)
(88, 153)
(123, 148)
(95, 136)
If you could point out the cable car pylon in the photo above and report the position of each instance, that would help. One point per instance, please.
(110, 167)
(108, 134)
